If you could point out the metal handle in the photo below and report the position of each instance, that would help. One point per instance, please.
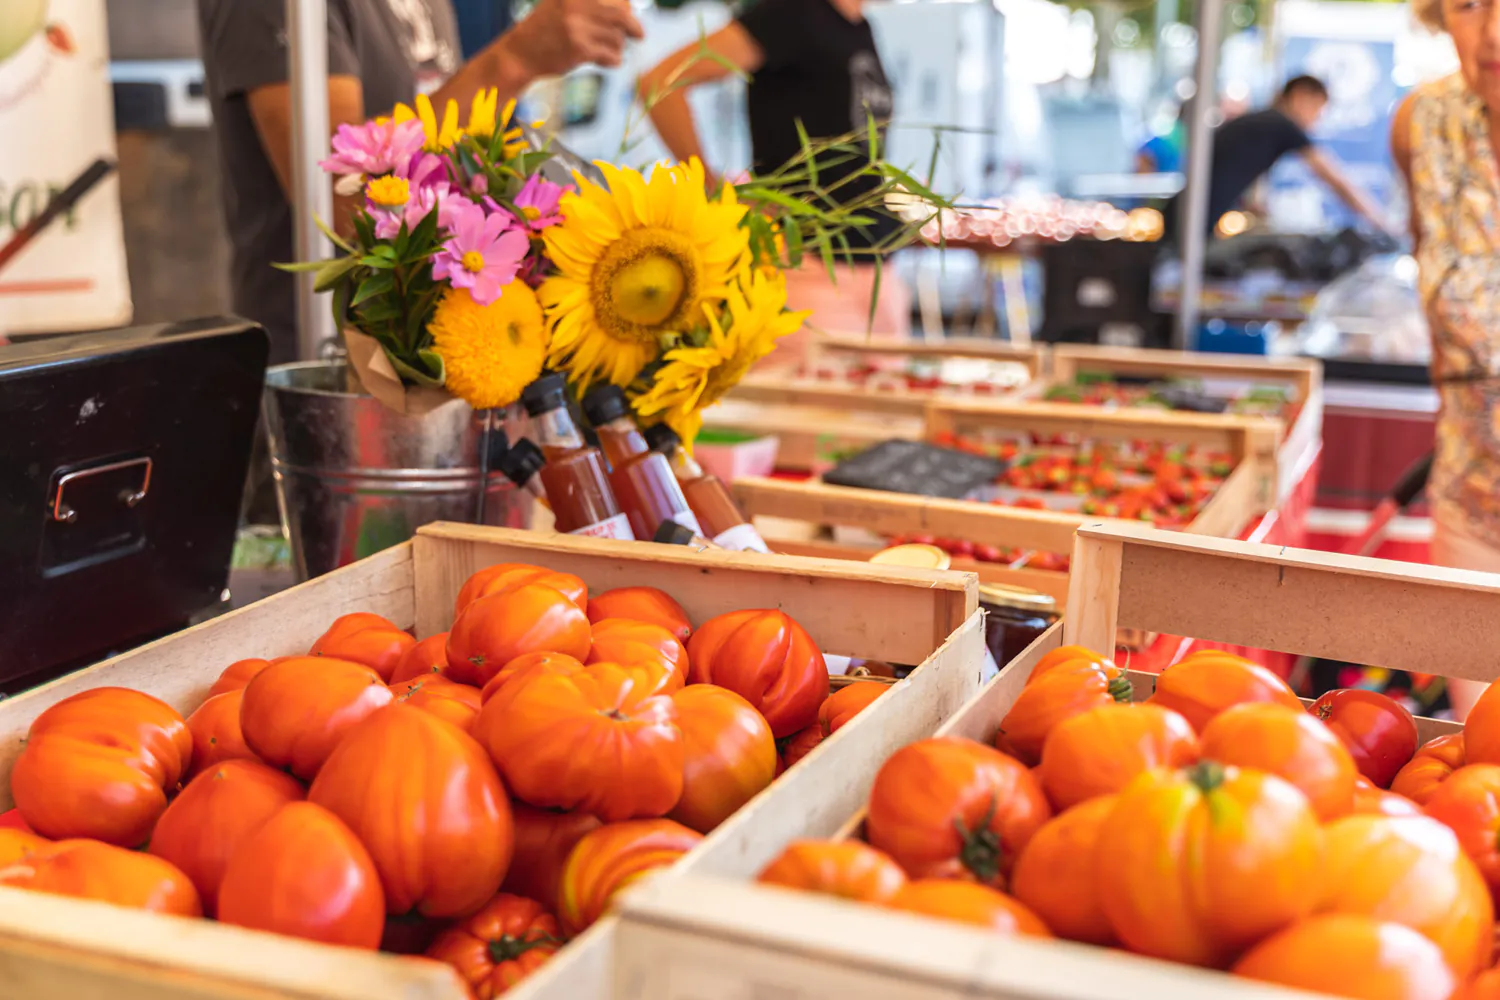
(65, 513)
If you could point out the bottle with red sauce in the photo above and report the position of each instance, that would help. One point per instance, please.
(718, 515)
(574, 478)
(643, 479)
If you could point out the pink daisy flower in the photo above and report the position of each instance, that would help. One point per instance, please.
(483, 253)
(539, 202)
(373, 148)
(422, 201)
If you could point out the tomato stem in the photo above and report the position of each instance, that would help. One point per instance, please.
(1207, 775)
(980, 852)
(508, 948)
(1121, 690)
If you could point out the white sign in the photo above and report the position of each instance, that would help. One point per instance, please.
(57, 118)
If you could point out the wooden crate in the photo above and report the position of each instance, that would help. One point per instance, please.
(712, 939)
(1299, 443)
(58, 947)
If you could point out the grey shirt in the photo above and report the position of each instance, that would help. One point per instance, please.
(395, 48)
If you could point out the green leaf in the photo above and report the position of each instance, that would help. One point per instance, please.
(333, 237)
(874, 297)
(422, 238)
(302, 266)
(377, 310)
(411, 372)
(333, 272)
(434, 364)
(380, 283)
(379, 263)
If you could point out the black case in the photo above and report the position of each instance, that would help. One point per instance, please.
(122, 468)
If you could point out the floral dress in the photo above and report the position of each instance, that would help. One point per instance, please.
(1456, 194)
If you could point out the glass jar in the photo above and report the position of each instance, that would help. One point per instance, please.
(1015, 617)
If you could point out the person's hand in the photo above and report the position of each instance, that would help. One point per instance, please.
(560, 34)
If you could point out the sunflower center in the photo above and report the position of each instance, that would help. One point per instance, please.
(646, 282)
(473, 261)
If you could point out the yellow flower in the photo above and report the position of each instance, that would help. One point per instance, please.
(490, 353)
(483, 122)
(740, 334)
(635, 263)
(388, 192)
(439, 137)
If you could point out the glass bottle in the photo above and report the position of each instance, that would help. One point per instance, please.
(642, 478)
(672, 533)
(719, 516)
(574, 479)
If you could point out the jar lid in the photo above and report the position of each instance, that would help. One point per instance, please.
(916, 556)
(1006, 595)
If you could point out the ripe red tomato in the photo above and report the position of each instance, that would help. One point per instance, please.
(455, 703)
(1432, 765)
(1379, 732)
(642, 604)
(296, 711)
(766, 658)
(620, 640)
(368, 639)
(237, 675)
(551, 662)
(502, 944)
(1205, 683)
(215, 727)
(729, 755)
(847, 702)
(508, 576)
(544, 839)
(1469, 802)
(430, 656)
(797, 746)
(493, 630)
(91, 869)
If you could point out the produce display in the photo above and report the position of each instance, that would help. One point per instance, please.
(1218, 823)
(477, 798)
(955, 377)
(1100, 389)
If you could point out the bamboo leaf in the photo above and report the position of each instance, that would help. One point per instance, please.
(874, 296)
(333, 237)
(379, 283)
(333, 272)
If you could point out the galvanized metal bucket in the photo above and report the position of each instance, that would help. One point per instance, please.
(354, 477)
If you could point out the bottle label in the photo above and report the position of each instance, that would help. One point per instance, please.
(742, 538)
(688, 520)
(613, 527)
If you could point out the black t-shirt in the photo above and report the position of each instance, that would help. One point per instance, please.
(822, 69)
(1244, 149)
(394, 47)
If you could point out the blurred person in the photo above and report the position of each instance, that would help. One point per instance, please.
(1443, 139)
(380, 53)
(1162, 154)
(813, 62)
(1247, 147)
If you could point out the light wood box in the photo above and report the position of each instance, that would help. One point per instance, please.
(714, 939)
(52, 946)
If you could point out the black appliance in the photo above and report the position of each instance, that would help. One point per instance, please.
(1099, 292)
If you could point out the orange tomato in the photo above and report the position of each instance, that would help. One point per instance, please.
(455, 703)
(1482, 729)
(15, 845)
(1351, 956)
(1410, 870)
(430, 656)
(766, 658)
(798, 745)
(642, 604)
(544, 839)
(949, 806)
(1195, 865)
(1485, 986)
(305, 874)
(502, 944)
(237, 675)
(619, 640)
(588, 739)
(217, 812)
(610, 859)
(1101, 750)
(1289, 743)
(101, 764)
(552, 662)
(296, 711)
(1430, 767)
(1372, 801)
(847, 702)
(493, 630)
(11, 819)
(969, 903)
(368, 639)
(1063, 655)
(1378, 731)
(91, 869)
(1469, 803)
(215, 728)
(729, 755)
(1063, 691)
(1203, 684)
(508, 576)
(847, 869)
(1055, 874)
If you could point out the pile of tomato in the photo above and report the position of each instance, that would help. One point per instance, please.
(1219, 823)
(866, 375)
(1098, 390)
(479, 796)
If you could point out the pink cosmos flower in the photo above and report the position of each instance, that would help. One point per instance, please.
(373, 148)
(483, 254)
(422, 201)
(538, 201)
(423, 170)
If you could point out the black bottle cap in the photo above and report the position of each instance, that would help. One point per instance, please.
(546, 394)
(672, 533)
(662, 438)
(605, 403)
(521, 462)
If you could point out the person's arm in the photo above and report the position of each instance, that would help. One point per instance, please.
(1145, 163)
(1401, 153)
(664, 87)
(1328, 171)
(271, 111)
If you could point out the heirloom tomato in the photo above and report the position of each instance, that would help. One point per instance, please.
(1055, 874)
(1372, 801)
(555, 663)
(422, 796)
(1351, 956)
(217, 812)
(1067, 688)
(1430, 767)
(797, 746)
(1100, 751)
(502, 944)
(619, 640)
(1485, 986)
(215, 727)
(1482, 729)
(296, 711)
(508, 576)
(642, 604)
(368, 639)
(969, 903)
(531, 618)
(101, 764)
(18, 844)
(1196, 865)
(304, 873)
(428, 657)
(1379, 732)
(1203, 684)
(848, 869)
(1289, 743)
(92, 869)
(455, 703)
(237, 675)
(1469, 803)
(950, 807)
(847, 702)
(544, 839)
(729, 755)
(610, 859)
(767, 659)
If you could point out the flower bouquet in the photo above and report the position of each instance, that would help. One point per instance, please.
(467, 273)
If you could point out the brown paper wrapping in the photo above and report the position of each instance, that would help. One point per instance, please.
(375, 374)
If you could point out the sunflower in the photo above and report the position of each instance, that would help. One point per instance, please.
(490, 353)
(439, 135)
(740, 333)
(635, 262)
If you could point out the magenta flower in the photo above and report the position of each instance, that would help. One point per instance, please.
(422, 201)
(373, 148)
(483, 254)
(538, 201)
(423, 170)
